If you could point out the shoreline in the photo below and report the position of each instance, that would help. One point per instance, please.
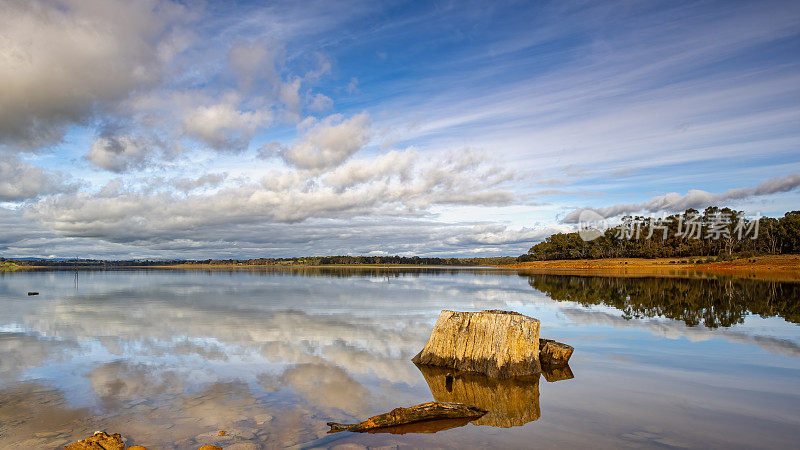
(769, 267)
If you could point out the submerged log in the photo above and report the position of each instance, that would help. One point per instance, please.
(500, 344)
(425, 412)
(510, 402)
(552, 353)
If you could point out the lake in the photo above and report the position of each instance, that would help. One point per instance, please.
(171, 358)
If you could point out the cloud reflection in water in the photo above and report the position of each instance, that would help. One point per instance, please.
(169, 357)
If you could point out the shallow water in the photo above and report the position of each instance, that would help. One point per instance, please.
(170, 358)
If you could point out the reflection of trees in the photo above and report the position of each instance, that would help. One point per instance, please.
(343, 271)
(711, 302)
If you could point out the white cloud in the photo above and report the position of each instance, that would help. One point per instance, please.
(329, 142)
(259, 69)
(323, 68)
(223, 126)
(352, 86)
(695, 198)
(206, 180)
(64, 59)
(20, 181)
(357, 171)
(481, 235)
(121, 153)
(289, 95)
(254, 61)
(390, 186)
(320, 103)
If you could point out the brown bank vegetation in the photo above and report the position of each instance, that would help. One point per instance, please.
(769, 267)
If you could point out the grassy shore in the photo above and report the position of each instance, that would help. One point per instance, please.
(771, 267)
(9, 267)
(305, 266)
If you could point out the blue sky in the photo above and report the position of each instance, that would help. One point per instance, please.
(185, 129)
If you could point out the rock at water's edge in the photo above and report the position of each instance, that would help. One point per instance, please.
(552, 353)
(500, 344)
(102, 441)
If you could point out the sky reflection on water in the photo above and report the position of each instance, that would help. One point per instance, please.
(170, 358)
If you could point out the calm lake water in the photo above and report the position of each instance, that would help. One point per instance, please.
(170, 358)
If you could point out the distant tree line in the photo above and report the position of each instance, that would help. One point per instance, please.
(713, 232)
(88, 263)
(299, 261)
(344, 260)
(413, 260)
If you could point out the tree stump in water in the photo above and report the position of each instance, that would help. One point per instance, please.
(500, 344)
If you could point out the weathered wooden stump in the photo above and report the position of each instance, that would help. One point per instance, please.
(500, 344)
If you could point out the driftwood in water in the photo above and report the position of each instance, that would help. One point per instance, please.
(500, 344)
(552, 353)
(425, 426)
(510, 402)
(425, 412)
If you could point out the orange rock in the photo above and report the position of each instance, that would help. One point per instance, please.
(552, 353)
(99, 441)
